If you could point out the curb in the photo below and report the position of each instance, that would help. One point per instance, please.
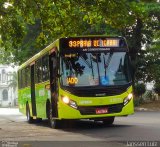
(146, 109)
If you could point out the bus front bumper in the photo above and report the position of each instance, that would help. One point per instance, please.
(89, 112)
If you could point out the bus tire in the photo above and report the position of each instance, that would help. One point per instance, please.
(108, 120)
(54, 123)
(29, 118)
(48, 110)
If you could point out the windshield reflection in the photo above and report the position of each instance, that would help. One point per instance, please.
(95, 69)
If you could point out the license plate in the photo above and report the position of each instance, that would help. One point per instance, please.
(101, 110)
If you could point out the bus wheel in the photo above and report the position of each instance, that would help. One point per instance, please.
(29, 118)
(54, 123)
(108, 120)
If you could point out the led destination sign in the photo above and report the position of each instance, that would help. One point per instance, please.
(91, 43)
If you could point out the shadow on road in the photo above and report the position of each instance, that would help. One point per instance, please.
(76, 125)
(92, 129)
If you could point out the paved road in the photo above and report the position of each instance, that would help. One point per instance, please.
(142, 126)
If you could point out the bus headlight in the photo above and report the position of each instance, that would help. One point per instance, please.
(127, 99)
(69, 102)
(65, 100)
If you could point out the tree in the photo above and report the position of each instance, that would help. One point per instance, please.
(29, 25)
(141, 34)
(57, 19)
(14, 81)
(140, 89)
(157, 88)
(152, 58)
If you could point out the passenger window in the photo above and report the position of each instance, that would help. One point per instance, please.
(38, 71)
(45, 68)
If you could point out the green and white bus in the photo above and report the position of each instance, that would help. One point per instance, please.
(77, 78)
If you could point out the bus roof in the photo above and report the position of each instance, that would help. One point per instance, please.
(39, 54)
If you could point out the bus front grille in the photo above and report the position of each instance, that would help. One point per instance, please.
(91, 110)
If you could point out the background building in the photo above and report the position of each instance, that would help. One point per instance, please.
(8, 86)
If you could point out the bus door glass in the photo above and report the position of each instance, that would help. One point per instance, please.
(33, 99)
(53, 82)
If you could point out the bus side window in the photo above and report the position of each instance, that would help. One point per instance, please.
(38, 71)
(45, 68)
(28, 80)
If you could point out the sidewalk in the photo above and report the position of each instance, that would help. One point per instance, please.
(147, 109)
(9, 111)
(149, 106)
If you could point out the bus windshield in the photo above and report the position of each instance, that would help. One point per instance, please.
(95, 69)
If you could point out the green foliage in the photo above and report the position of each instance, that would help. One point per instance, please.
(58, 19)
(138, 101)
(28, 26)
(139, 89)
(157, 88)
(145, 34)
(148, 95)
(151, 66)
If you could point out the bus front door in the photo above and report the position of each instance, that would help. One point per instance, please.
(33, 99)
(53, 83)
